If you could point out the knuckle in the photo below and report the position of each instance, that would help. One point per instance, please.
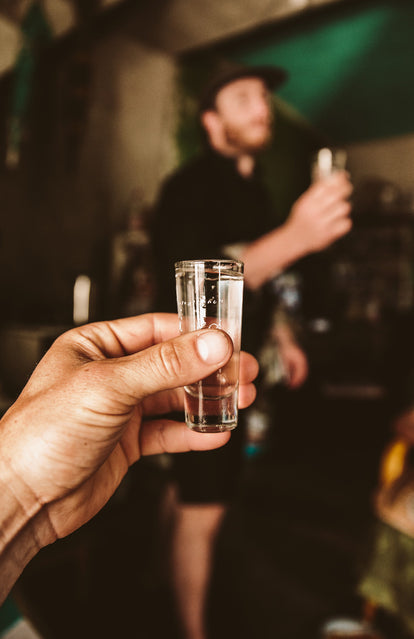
(169, 361)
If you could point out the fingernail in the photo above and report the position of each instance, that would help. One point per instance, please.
(212, 346)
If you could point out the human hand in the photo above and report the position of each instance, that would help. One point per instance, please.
(322, 214)
(82, 418)
(294, 360)
(295, 364)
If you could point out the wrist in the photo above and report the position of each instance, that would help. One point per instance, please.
(283, 336)
(24, 528)
(295, 239)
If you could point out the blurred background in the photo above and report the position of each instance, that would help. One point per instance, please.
(97, 106)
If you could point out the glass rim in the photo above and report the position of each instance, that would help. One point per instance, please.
(216, 264)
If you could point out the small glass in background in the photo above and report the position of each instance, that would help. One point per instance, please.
(326, 161)
(210, 295)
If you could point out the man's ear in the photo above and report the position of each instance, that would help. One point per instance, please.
(211, 122)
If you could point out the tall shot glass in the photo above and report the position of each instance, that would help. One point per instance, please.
(210, 295)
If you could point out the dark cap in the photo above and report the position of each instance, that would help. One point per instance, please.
(226, 71)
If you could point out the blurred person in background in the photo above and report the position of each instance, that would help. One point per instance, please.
(217, 206)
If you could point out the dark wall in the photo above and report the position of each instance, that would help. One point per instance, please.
(47, 234)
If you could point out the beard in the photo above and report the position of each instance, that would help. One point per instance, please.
(252, 138)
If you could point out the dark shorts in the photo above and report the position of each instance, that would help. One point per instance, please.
(211, 476)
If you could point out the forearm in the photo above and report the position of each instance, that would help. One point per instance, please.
(270, 254)
(14, 557)
(23, 529)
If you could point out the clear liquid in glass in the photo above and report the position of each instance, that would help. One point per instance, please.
(212, 300)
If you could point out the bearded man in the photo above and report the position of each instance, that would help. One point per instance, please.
(216, 206)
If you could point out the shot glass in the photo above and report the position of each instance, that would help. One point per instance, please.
(326, 161)
(210, 295)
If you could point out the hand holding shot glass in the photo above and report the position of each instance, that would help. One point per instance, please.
(210, 296)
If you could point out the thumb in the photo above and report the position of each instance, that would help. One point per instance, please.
(177, 362)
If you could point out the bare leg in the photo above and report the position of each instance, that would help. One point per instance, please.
(194, 535)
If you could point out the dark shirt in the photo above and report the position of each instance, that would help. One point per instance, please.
(203, 207)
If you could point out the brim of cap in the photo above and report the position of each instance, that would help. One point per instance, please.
(273, 77)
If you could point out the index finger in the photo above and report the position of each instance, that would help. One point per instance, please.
(136, 333)
(126, 336)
